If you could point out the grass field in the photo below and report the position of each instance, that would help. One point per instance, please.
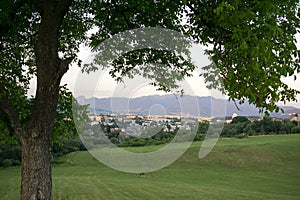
(263, 167)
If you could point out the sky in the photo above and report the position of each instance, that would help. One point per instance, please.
(105, 86)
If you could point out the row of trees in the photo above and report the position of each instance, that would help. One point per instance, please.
(242, 126)
(10, 154)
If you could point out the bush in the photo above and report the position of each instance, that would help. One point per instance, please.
(295, 129)
(67, 146)
(10, 152)
(10, 155)
(7, 163)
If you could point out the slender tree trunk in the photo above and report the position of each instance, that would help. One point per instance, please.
(36, 168)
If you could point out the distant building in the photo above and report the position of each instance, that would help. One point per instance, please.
(92, 117)
(295, 117)
(234, 115)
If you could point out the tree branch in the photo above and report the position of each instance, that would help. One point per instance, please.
(64, 65)
(236, 106)
(7, 108)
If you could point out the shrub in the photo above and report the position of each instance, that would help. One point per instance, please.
(7, 163)
(295, 129)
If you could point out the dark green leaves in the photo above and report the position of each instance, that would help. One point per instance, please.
(253, 47)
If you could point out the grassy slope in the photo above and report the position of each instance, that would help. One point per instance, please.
(265, 167)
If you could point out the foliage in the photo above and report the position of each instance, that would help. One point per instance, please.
(64, 126)
(202, 130)
(113, 17)
(295, 129)
(67, 146)
(266, 126)
(7, 163)
(253, 47)
(64, 137)
(10, 155)
(18, 23)
(239, 119)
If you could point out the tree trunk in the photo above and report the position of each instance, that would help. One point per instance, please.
(36, 168)
(36, 181)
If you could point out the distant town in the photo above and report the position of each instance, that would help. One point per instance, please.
(132, 124)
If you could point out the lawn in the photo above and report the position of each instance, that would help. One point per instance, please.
(262, 167)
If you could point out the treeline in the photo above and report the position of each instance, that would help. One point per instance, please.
(10, 154)
(242, 127)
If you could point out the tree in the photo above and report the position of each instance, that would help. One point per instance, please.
(202, 130)
(240, 119)
(30, 39)
(253, 46)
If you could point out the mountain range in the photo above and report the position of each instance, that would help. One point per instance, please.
(175, 105)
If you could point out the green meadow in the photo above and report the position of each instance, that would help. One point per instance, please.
(261, 167)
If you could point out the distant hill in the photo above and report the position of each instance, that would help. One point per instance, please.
(175, 105)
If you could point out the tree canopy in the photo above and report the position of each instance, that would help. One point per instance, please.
(253, 42)
(254, 46)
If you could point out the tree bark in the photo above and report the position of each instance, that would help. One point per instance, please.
(36, 181)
